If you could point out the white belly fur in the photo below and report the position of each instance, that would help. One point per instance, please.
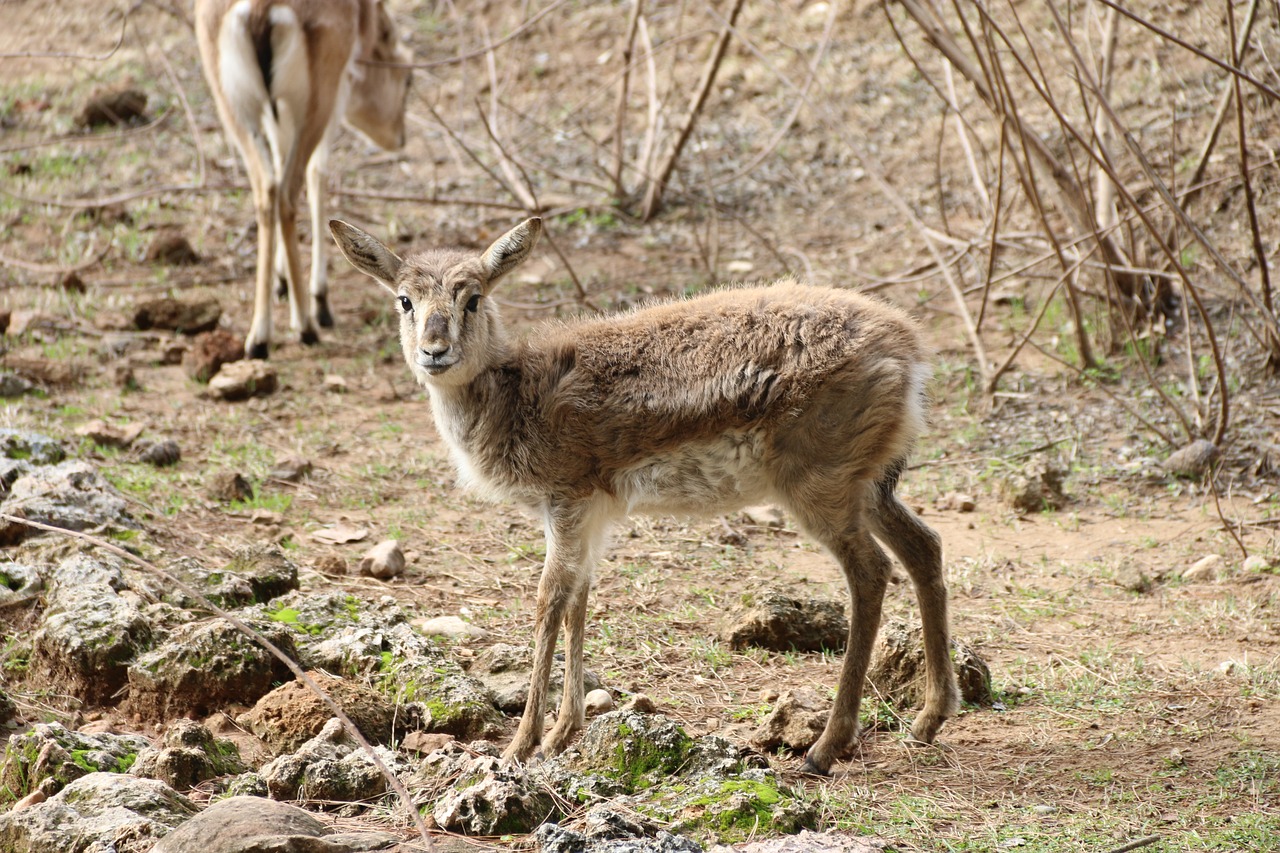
(697, 479)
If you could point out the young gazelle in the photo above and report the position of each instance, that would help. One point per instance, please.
(806, 396)
(283, 73)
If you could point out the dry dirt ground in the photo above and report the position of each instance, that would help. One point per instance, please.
(1131, 702)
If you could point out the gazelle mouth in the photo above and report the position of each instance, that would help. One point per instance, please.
(436, 366)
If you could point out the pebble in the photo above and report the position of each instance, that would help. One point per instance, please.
(599, 701)
(453, 627)
(241, 380)
(383, 561)
(1204, 569)
(159, 453)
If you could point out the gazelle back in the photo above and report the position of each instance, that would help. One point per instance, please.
(806, 396)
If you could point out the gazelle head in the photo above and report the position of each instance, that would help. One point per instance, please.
(449, 329)
(380, 90)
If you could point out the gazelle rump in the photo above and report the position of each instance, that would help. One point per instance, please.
(283, 73)
(806, 396)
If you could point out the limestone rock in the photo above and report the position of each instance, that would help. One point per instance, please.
(255, 825)
(778, 621)
(502, 802)
(1036, 488)
(292, 714)
(1192, 461)
(50, 756)
(71, 495)
(33, 447)
(897, 668)
(330, 766)
(104, 434)
(20, 584)
(205, 666)
(189, 755)
(98, 813)
(88, 637)
(383, 561)
(505, 670)
(796, 721)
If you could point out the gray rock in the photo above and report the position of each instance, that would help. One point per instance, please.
(330, 766)
(30, 446)
(1192, 461)
(190, 754)
(292, 714)
(98, 813)
(796, 721)
(10, 471)
(205, 666)
(1036, 488)
(506, 801)
(254, 825)
(50, 756)
(89, 636)
(269, 572)
(773, 619)
(897, 668)
(20, 584)
(71, 495)
(457, 705)
(13, 385)
(810, 842)
(505, 670)
(161, 453)
(633, 748)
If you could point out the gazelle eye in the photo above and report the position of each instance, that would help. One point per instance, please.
(405, 305)
(473, 303)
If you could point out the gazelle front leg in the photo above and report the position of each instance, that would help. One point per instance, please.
(574, 537)
(573, 715)
(319, 269)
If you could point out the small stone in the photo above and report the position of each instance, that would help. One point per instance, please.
(958, 502)
(228, 486)
(335, 384)
(383, 561)
(13, 385)
(109, 435)
(764, 516)
(115, 107)
(1036, 488)
(35, 798)
(795, 722)
(640, 704)
(452, 627)
(291, 468)
(209, 352)
(177, 315)
(1231, 668)
(1256, 564)
(331, 564)
(1193, 460)
(1204, 569)
(159, 453)
(425, 743)
(241, 380)
(1043, 809)
(599, 701)
(173, 249)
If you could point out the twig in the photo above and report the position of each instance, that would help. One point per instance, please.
(53, 269)
(35, 54)
(1217, 505)
(658, 183)
(479, 51)
(81, 138)
(120, 198)
(619, 123)
(352, 730)
(1134, 845)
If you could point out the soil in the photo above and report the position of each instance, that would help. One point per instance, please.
(1129, 701)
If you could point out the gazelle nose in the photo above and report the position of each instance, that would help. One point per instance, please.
(435, 349)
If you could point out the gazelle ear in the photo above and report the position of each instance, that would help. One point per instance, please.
(366, 253)
(510, 250)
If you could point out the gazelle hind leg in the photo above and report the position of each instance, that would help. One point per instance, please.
(919, 549)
